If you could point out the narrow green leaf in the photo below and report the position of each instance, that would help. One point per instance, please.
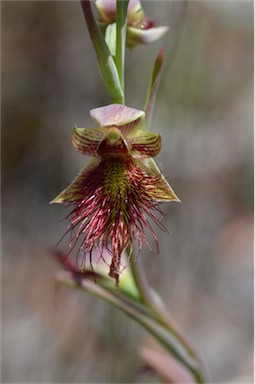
(152, 89)
(139, 313)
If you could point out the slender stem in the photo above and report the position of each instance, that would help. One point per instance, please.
(105, 60)
(149, 298)
(132, 310)
(121, 22)
(145, 307)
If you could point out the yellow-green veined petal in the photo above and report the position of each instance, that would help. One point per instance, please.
(145, 144)
(87, 140)
(73, 191)
(163, 191)
(116, 115)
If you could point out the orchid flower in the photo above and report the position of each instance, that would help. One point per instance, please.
(117, 193)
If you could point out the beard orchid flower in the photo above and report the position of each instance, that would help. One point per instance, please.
(116, 194)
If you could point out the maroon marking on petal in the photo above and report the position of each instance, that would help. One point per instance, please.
(83, 143)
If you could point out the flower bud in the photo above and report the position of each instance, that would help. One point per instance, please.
(140, 30)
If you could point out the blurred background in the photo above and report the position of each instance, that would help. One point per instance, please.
(204, 112)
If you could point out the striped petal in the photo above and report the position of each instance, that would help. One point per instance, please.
(145, 144)
(87, 140)
(162, 191)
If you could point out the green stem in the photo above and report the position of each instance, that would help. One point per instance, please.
(152, 301)
(107, 66)
(132, 310)
(121, 22)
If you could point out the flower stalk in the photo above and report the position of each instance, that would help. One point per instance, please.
(121, 24)
(152, 300)
(138, 313)
(105, 60)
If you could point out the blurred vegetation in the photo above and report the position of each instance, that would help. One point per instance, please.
(204, 112)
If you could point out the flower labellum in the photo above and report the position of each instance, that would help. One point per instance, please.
(115, 194)
(140, 30)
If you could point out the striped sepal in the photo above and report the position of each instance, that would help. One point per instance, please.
(145, 144)
(162, 191)
(87, 140)
(74, 191)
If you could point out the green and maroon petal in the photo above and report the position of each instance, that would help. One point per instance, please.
(145, 144)
(87, 140)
